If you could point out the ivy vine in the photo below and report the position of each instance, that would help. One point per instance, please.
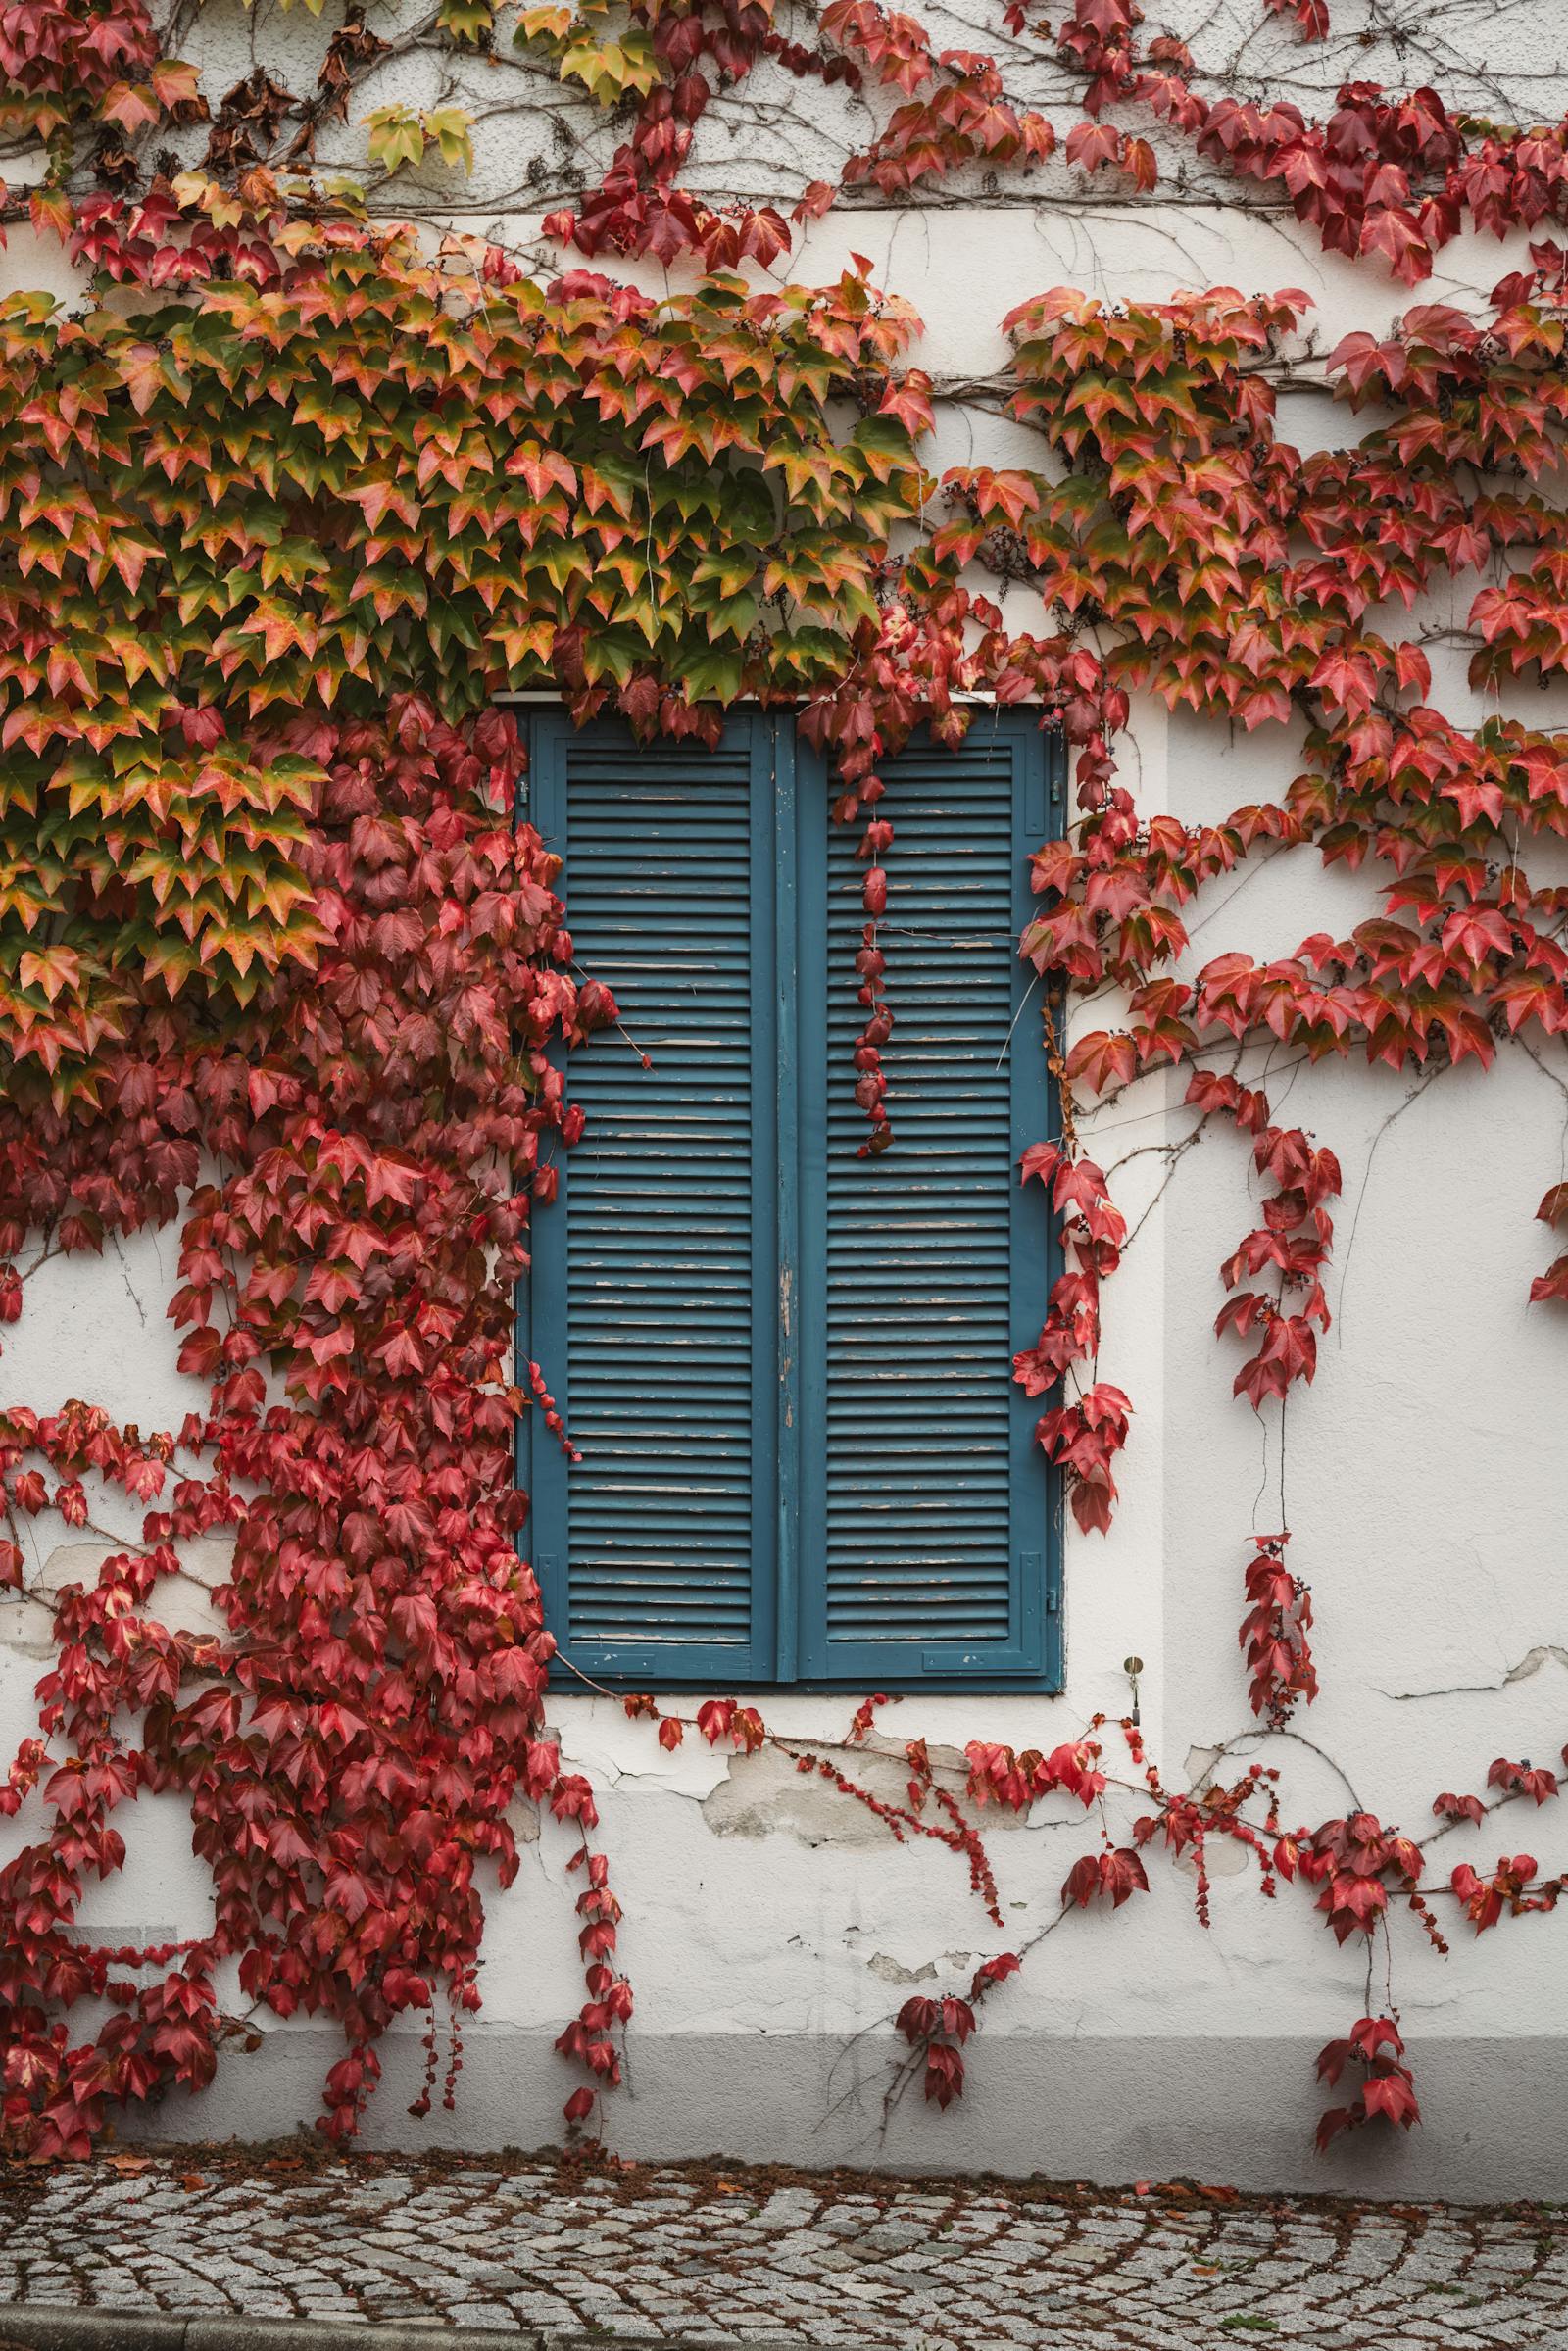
(278, 968)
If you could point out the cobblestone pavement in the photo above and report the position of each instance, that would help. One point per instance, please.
(722, 2255)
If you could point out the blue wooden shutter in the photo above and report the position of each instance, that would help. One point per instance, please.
(928, 1549)
(657, 1552)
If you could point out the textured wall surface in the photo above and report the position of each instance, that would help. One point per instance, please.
(772, 1930)
(537, 141)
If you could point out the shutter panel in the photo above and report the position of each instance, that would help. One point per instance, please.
(928, 1548)
(656, 1548)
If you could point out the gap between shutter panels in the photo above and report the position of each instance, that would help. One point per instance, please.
(918, 1401)
(659, 1230)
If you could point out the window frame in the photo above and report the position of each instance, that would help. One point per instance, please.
(789, 839)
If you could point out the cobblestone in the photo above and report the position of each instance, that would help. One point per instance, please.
(713, 2254)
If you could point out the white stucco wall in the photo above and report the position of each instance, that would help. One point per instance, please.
(771, 1927)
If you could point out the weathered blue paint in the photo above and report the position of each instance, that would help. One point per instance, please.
(926, 1508)
(787, 1367)
(657, 1551)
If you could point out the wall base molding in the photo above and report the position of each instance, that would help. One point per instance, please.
(1237, 2113)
